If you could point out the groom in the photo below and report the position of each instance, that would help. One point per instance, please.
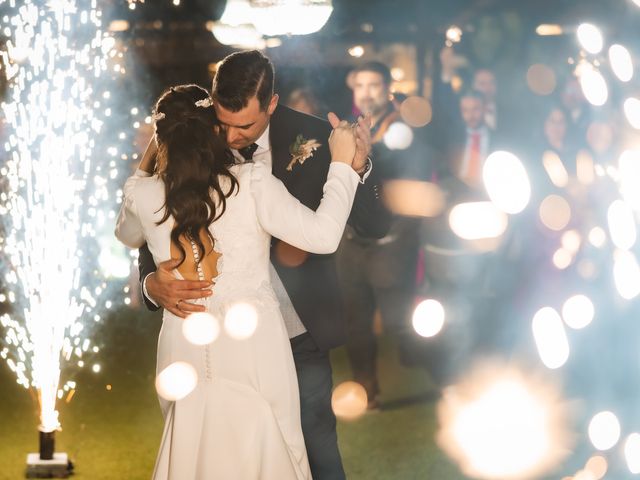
(259, 130)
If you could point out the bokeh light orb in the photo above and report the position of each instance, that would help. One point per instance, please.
(632, 452)
(555, 212)
(555, 169)
(622, 225)
(590, 38)
(428, 318)
(290, 256)
(600, 136)
(349, 401)
(585, 169)
(477, 220)
(626, 274)
(597, 466)
(632, 112)
(506, 181)
(621, 62)
(562, 258)
(200, 328)
(578, 311)
(594, 87)
(413, 198)
(629, 181)
(176, 381)
(604, 430)
(502, 424)
(541, 79)
(241, 321)
(597, 237)
(398, 136)
(550, 338)
(416, 111)
(571, 241)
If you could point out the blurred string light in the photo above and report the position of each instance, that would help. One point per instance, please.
(604, 430)
(506, 182)
(621, 62)
(499, 423)
(55, 54)
(550, 337)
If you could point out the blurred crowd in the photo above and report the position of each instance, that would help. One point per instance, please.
(489, 288)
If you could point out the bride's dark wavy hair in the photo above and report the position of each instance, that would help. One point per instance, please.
(192, 159)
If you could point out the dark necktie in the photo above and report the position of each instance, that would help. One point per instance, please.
(248, 151)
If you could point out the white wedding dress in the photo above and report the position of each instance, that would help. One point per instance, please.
(242, 421)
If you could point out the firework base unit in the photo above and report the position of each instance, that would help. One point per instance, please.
(58, 467)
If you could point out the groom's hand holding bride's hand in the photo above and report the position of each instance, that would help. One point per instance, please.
(172, 294)
(362, 131)
(342, 143)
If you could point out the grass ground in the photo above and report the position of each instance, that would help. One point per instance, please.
(114, 434)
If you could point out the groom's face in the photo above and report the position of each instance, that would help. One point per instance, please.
(244, 127)
(370, 93)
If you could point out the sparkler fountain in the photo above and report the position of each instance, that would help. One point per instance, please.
(54, 56)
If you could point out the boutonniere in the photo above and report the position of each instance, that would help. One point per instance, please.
(301, 150)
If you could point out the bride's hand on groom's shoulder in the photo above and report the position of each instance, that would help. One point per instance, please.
(342, 141)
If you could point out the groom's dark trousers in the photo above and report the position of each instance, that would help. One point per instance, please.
(313, 285)
(318, 421)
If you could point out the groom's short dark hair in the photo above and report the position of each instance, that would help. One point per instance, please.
(376, 67)
(240, 77)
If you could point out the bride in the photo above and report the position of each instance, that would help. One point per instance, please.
(242, 420)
